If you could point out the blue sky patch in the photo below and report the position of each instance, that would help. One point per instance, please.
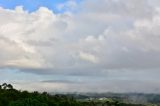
(32, 5)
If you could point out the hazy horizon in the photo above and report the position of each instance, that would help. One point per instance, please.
(80, 45)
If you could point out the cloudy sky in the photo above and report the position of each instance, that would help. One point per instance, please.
(80, 45)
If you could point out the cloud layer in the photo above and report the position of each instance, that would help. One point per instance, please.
(87, 40)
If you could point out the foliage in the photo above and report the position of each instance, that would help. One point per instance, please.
(12, 97)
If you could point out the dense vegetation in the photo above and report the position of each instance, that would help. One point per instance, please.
(12, 97)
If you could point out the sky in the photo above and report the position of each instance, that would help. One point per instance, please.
(80, 45)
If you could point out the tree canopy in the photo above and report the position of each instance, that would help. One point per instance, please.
(9, 96)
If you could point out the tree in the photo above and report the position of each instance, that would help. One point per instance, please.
(9, 86)
(4, 85)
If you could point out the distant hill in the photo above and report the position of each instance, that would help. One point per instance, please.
(9, 96)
